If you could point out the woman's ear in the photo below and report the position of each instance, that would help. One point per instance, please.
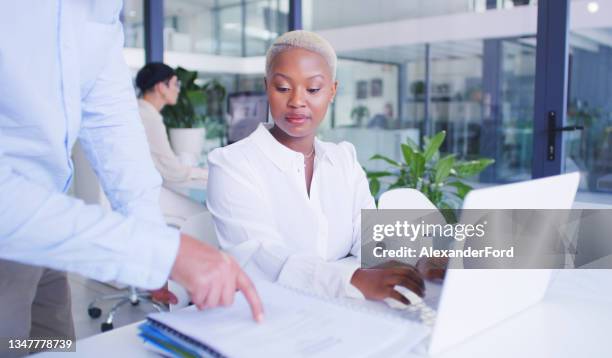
(159, 87)
(334, 89)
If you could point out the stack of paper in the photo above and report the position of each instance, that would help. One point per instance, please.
(295, 325)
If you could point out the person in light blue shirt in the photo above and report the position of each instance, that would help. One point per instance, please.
(63, 79)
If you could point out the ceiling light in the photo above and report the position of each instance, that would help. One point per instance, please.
(593, 7)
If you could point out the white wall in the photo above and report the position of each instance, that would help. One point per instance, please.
(351, 72)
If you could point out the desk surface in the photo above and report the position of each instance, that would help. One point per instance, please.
(192, 189)
(573, 320)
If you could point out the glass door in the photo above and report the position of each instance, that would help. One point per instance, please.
(590, 99)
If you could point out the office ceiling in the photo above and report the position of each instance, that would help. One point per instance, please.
(325, 13)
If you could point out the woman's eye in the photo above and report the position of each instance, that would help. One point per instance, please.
(313, 90)
(282, 89)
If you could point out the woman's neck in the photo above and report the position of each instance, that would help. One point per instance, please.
(154, 100)
(303, 145)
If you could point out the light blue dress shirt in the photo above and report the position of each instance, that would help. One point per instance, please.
(63, 78)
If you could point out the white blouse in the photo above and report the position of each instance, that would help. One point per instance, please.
(166, 162)
(265, 218)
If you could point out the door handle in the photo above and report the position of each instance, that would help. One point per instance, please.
(568, 129)
(551, 148)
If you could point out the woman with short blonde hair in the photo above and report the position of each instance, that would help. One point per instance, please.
(288, 205)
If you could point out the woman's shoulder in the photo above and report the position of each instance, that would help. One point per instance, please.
(342, 152)
(232, 154)
(147, 110)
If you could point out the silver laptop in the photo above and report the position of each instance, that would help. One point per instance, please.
(473, 300)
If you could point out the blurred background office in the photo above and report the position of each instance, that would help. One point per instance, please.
(464, 66)
(408, 69)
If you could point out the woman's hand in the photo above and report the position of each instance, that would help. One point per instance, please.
(378, 283)
(432, 268)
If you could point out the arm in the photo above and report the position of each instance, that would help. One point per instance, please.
(41, 226)
(377, 283)
(362, 200)
(47, 228)
(113, 140)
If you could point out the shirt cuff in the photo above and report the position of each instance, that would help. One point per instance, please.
(299, 272)
(345, 270)
(151, 256)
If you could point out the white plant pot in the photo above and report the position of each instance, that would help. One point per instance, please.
(188, 143)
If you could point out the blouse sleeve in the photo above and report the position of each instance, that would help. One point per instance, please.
(362, 200)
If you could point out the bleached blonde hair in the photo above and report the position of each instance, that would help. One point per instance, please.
(305, 40)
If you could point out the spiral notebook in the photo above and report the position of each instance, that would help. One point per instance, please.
(295, 325)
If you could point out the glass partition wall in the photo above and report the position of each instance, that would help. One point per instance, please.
(410, 68)
(478, 87)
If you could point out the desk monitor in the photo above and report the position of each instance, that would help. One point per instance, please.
(245, 111)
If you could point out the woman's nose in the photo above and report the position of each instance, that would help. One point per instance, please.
(297, 99)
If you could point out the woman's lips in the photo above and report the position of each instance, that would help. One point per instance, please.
(296, 118)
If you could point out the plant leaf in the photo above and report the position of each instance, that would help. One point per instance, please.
(443, 168)
(371, 175)
(470, 168)
(412, 144)
(408, 153)
(374, 186)
(433, 145)
(462, 188)
(448, 212)
(417, 169)
(388, 160)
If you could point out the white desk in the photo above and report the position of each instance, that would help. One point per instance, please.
(574, 320)
(193, 189)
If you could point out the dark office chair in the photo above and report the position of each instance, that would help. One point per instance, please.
(131, 295)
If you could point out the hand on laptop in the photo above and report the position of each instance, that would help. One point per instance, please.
(211, 277)
(377, 283)
(432, 268)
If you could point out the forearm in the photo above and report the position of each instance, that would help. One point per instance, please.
(42, 227)
(307, 273)
(325, 278)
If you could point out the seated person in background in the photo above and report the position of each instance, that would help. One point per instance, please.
(383, 120)
(288, 205)
(159, 87)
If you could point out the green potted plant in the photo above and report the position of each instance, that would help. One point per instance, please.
(187, 119)
(358, 114)
(439, 178)
(418, 89)
(215, 99)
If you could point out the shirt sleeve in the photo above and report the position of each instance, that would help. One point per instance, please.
(46, 228)
(363, 199)
(166, 162)
(114, 142)
(246, 229)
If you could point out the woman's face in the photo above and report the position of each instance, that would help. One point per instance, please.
(169, 90)
(299, 88)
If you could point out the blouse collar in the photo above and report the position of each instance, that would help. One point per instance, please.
(280, 155)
